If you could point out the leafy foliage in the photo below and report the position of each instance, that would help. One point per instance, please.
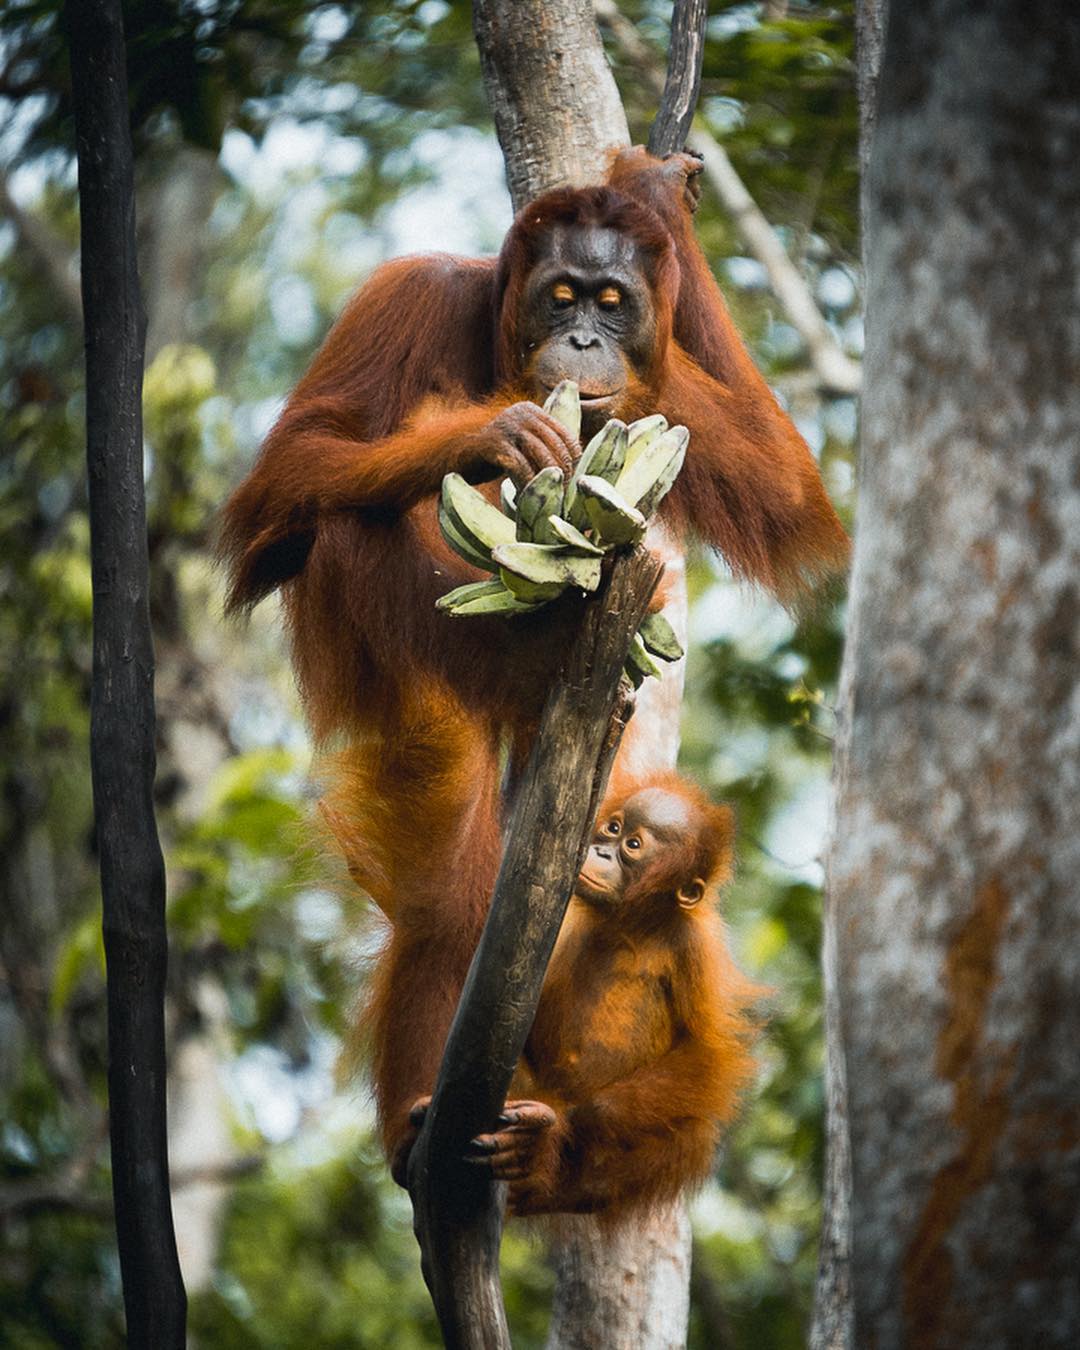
(323, 119)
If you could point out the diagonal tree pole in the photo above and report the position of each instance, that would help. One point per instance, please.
(457, 1209)
(122, 700)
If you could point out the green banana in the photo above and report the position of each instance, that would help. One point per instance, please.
(531, 592)
(540, 498)
(473, 516)
(603, 457)
(564, 404)
(658, 637)
(613, 519)
(547, 566)
(665, 481)
(637, 480)
(481, 598)
(640, 435)
(536, 539)
(461, 545)
(571, 536)
(639, 664)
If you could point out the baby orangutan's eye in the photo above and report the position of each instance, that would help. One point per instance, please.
(633, 843)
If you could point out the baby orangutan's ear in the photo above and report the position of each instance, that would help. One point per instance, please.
(691, 894)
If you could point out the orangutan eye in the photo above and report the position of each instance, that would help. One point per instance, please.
(633, 843)
(563, 294)
(613, 827)
(609, 298)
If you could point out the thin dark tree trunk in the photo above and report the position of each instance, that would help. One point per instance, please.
(678, 102)
(871, 16)
(832, 1326)
(122, 705)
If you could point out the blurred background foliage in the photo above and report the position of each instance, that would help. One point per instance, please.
(283, 150)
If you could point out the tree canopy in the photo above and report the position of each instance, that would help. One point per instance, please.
(282, 151)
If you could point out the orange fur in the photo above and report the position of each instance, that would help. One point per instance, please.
(340, 513)
(641, 1042)
(416, 816)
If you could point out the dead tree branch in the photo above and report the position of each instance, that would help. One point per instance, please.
(457, 1208)
(678, 100)
(559, 118)
(836, 372)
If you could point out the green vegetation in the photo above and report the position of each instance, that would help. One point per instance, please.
(283, 150)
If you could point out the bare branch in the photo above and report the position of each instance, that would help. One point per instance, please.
(837, 373)
(42, 1197)
(457, 1209)
(66, 1192)
(871, 17)
(678, 102)
(49, 251)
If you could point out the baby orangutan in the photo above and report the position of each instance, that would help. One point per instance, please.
(640, 1047)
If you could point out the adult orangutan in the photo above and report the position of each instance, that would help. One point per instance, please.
(439, 364)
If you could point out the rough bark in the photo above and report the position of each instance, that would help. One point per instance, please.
(457, 1211)
(626, 1289)
(679, 97)
(832, 1326)
(957, 849)
(122, 703)
(557, 112)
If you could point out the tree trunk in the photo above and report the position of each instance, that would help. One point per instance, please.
(176, 196)
(831, 1327)
(559, 116)
(122, 701)
(557, 112)
(957, 850)
(624, 1289)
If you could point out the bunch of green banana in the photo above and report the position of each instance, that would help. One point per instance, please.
(551, 536)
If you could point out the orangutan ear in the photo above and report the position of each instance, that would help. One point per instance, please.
(691, 894)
